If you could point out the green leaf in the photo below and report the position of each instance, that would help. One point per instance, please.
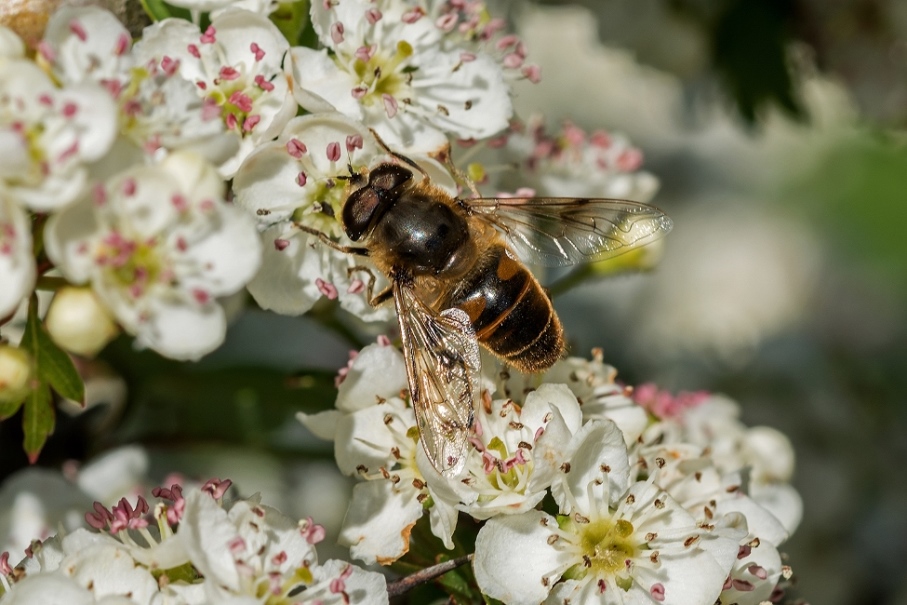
(54, 366)
(37, 421)
(749, 50)
(159, 10)
(291, 18)
(458, 586)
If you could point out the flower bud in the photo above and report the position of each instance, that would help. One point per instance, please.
(79, 323)
(15, 374)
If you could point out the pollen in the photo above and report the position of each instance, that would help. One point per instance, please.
(608, 544)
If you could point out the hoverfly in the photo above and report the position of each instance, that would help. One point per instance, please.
(458, 280)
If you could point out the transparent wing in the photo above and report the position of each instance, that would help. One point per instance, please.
(443, 367)
(564, 231)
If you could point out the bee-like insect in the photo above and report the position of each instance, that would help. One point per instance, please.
(456, 281)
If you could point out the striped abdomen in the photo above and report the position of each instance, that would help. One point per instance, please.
(511, 314)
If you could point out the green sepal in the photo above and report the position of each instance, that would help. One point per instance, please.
(53, 365)
(291, 18)
(159, 10)
(37, 421)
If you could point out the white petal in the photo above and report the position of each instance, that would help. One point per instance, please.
(114, 474)
(283, 279)
(66, 238)
(194, 176)
(11, 45)
(548, 396)
(180, 331)
(17, 263)
(238, 29)
(323, 424)
(379, 521)
(363, 587)
(107, 570)
(597, 446)
(230, 256)
(377, 371)
(782, 501)
(363, 439)
(48, 589)
(475, 95)
(96, 56)
(206, 533)
(319, 85)
(513, 556)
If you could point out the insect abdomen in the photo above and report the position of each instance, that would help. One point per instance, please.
(510, 312)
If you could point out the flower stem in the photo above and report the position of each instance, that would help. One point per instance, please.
(403, 585)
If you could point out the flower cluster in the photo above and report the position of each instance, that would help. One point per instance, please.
(134, 149)
(192, 547)
(645, 503)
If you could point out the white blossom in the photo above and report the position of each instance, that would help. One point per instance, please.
(298, 179)
(712, 421)
(613, 543)
(575, 163)
(515, 454)
(383, 65)
(376, 438)
(159, 245)
(49, 135)
(253, 550)
(236, 66)
(158, 109)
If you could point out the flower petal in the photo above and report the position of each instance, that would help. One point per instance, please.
(513, 561)
(379, 521)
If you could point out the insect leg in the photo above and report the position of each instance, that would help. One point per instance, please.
(400, 157)
(460, 176)
(370, 285)
(327, 241)
(382, 297)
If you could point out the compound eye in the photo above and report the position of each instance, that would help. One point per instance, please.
(359, 210)
(388, 177)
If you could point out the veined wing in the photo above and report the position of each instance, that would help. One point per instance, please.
(563, 231)
(443, 366)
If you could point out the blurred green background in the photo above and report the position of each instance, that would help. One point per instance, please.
(776, 128)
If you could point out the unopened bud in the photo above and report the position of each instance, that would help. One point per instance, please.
(15, 374)
(78, 322)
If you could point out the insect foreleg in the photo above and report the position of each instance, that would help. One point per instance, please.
(400, 157)
(382, 297)
(327, 241)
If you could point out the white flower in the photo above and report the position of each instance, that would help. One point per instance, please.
(386, 68)
(376, 438)
(17, 262)
(611, 544)
(159, 110)
(48, 135)
(86, 44)
(578, 164)
(235, 65)
(99, 565)
(298, 180)
(712, 421)
(253, 550)
(516, 453)
(594, 384)
(218, 7)
(158, 245)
